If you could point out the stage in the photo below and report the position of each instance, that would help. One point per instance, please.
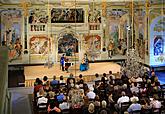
(33, 72)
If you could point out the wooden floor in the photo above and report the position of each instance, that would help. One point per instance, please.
(33, 72)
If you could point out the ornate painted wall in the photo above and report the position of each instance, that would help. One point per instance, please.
(80, 29)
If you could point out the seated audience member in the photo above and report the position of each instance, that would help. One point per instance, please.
(37, 87)
(47, 87)
(134, 106)
(152, 78)
(41, 93)
(122, 99)
(62, 81)
(97, 77)
(116, 93)
(138, 79)
(91, 94)
(125, 78)
(42, 100)
(134, 88)
(111, 76)
(126, 89)
(134, 96)
(146, 104)
(155, 103)
(45, 79)
(70, 81)
(54, 81)
(143, 90)
(65, 104)
(80, 80)
(52, 104)
(97, 103)
(91, 109)
(85, 105)
(105, 76)
(156, 82)
(37, 81)
(104, 109)
(60, 97)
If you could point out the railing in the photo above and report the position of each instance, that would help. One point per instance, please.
(94, 26)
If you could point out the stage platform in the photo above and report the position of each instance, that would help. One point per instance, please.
(33, 72)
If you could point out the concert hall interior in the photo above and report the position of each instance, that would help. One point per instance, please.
(82, 56)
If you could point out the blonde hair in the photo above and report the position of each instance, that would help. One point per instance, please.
(104, 104)
(51, 94)
(91, 108)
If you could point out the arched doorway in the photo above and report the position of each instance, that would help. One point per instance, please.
(68, 44)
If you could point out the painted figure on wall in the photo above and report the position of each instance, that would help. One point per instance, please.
(11, 33)
(68, 44)
(94, 16)
(38, 16)
(158, 45)
(39, 45)
(115, 35)
(37, 19)
(67, 15)
(93, 46)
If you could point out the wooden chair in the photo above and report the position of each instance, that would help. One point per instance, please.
(156, 111)
(146, 111)
(136, 112)
(65, 111)
(124, 107)
(42, 108)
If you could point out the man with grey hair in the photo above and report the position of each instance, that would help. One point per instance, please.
(121, 100)
(104, 109)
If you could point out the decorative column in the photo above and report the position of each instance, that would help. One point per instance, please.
(147, 5)
(26, 56)
(104, 14)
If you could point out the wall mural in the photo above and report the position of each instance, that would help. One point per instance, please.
(94, 19)
(157, 42)
(11, 21)
(117, 31)
(68, 44)
(140, 41)
(67, 15)
(39, 44)
(93, 46)
(38, 18)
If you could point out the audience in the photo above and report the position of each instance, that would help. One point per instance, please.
(104, 97)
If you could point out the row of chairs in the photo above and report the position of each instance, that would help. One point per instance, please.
(125, 106)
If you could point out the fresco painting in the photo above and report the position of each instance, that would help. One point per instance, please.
(68, 44)
(67, 15)
(157, 31)
(39, 44)
(38, 16)
(93, 46)
(11, 21)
